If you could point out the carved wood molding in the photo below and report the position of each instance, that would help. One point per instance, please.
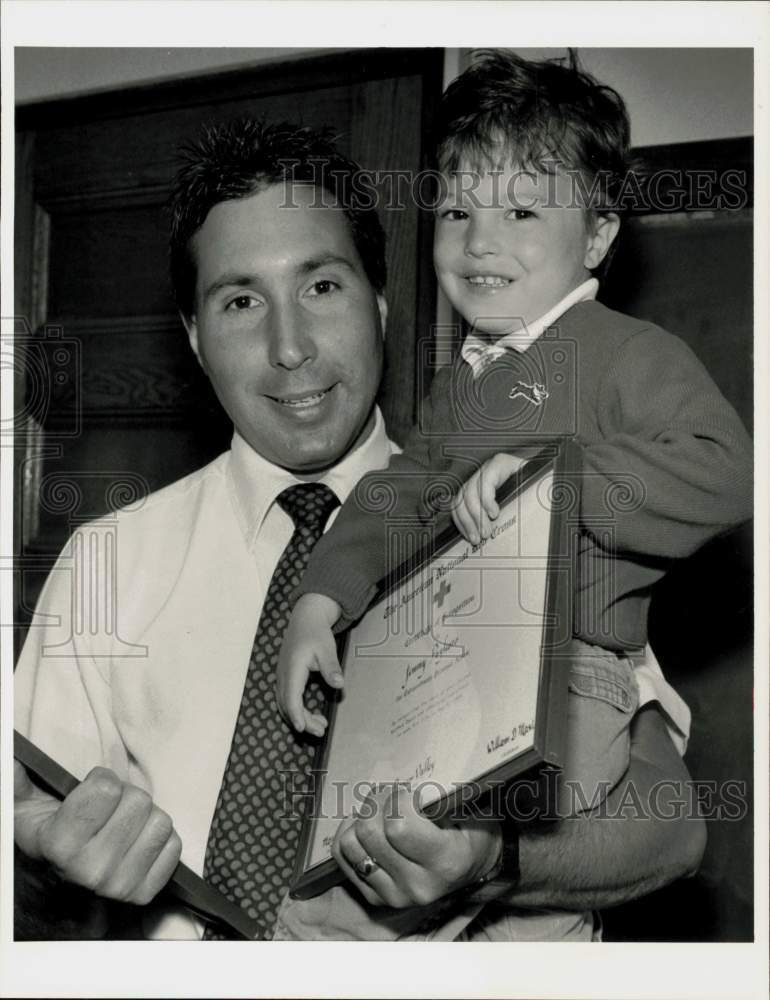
(113, 326)
(158, 379)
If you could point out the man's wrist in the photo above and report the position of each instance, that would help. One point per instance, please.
(504, 873)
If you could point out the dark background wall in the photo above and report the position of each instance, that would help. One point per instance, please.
(691, 272)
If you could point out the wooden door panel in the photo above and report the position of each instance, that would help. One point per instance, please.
(157, 373)
(75, 161)
(110, 261)
(78, 161)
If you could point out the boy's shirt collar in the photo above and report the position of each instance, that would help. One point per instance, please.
(481, 353)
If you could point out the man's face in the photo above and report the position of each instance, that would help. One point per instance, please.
(511, 244)
(287, 326)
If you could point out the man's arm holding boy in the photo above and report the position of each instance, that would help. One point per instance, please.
(590, 861)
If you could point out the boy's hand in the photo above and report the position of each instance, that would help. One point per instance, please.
(475, 505)
(308, 645)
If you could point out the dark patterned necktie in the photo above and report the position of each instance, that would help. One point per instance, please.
(253, 841)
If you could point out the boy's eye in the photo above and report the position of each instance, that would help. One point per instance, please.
(241, 302)
(453, 214)
(520, 214)
(323, 287)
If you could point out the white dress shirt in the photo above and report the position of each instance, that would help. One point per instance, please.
(138, 663)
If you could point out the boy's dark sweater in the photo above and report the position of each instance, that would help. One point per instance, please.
(666, 463)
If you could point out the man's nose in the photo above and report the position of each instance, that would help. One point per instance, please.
(482, 238)
(291, 342)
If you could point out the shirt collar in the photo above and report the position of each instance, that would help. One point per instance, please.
(255, 483)
(479, 353)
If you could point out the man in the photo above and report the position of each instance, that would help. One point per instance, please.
(280, 278)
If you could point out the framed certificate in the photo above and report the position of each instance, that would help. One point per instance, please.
(453, 679)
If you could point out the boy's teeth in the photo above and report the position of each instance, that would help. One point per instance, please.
(487, 279)
(305, 401)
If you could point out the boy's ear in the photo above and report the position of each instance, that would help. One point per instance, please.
(605, 229)
(382, 305)
(191, 326)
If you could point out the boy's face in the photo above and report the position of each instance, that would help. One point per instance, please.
(510, 244)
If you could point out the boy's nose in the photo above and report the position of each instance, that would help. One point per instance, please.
(481, 239)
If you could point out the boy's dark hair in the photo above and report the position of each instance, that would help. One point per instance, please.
(539, 114)
(237, 159)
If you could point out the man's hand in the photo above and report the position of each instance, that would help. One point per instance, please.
(475, 506)
(307, 646)
(106, 835)
(418, 862)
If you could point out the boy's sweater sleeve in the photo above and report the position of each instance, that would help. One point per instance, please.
(355, 553)
(675, 465)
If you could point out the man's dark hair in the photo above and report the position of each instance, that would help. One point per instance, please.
(240, 158)
(538, 115)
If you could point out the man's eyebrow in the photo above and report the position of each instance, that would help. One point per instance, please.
(326, 260)
(237, 279)
(230, 279)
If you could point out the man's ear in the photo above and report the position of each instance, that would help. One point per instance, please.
(605, 229)
(382, 305)
(191, 325)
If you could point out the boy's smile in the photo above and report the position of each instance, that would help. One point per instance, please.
(487, 282)
(510, 244)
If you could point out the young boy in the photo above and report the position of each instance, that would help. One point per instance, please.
(532, 155)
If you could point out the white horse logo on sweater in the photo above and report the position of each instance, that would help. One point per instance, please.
(535, 393)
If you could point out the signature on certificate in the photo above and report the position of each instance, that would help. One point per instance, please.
(500, 740)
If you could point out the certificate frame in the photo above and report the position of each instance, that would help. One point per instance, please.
(555, 466)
